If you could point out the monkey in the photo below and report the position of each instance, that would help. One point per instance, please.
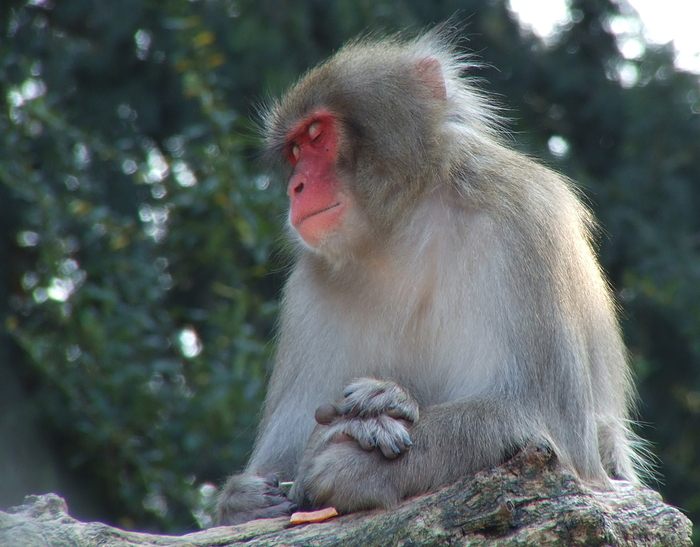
(445, 305)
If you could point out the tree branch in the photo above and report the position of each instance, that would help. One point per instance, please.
(529, 500)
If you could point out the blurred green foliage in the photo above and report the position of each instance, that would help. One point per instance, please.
(140, 251)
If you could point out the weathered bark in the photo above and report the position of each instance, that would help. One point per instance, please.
(529, 500)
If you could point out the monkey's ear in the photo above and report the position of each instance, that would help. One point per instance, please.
(429, 72)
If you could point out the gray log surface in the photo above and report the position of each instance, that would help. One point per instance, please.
(529, 500)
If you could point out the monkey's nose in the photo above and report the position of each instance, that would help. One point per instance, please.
(296, 186)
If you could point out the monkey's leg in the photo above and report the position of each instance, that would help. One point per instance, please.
(451, 440)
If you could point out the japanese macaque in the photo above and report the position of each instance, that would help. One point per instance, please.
(445, 305)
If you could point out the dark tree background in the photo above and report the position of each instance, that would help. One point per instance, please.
(140, 255)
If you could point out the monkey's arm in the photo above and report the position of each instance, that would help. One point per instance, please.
(283, 433)
(449, 441)
(256, 493)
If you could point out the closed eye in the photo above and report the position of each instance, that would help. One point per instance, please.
(314, 131)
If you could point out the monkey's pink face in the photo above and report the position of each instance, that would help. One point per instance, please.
(318, 204)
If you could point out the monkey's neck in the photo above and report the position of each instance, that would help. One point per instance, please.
(406, 265)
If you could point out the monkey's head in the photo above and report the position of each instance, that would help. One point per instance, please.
(363, 137)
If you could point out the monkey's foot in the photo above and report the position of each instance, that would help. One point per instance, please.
(250, 497)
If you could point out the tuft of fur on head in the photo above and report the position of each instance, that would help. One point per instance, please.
(358, 76)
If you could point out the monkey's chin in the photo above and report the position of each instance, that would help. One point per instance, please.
(316, 228)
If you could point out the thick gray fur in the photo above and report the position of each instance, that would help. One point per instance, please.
(465, 279)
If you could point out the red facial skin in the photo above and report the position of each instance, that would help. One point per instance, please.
(318, 205)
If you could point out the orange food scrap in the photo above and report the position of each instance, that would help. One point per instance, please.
(313, 516)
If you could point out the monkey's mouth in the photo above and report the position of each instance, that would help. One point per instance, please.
(316, 225)
(307, 216)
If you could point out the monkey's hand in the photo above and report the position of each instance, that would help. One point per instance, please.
(367, 397)
(376, 413)
(250, 497)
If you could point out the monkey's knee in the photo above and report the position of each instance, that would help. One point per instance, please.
(346, 477)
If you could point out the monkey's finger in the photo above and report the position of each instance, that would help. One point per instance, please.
(350, 411)
(401, 412)
(366, 443)
(276, 500)
(361, 432)
(271, 480)
(325, 414)
(352, 388)
(390, 449)
(279, 510)
(273, 491)
(392, 437)
(339, 436)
